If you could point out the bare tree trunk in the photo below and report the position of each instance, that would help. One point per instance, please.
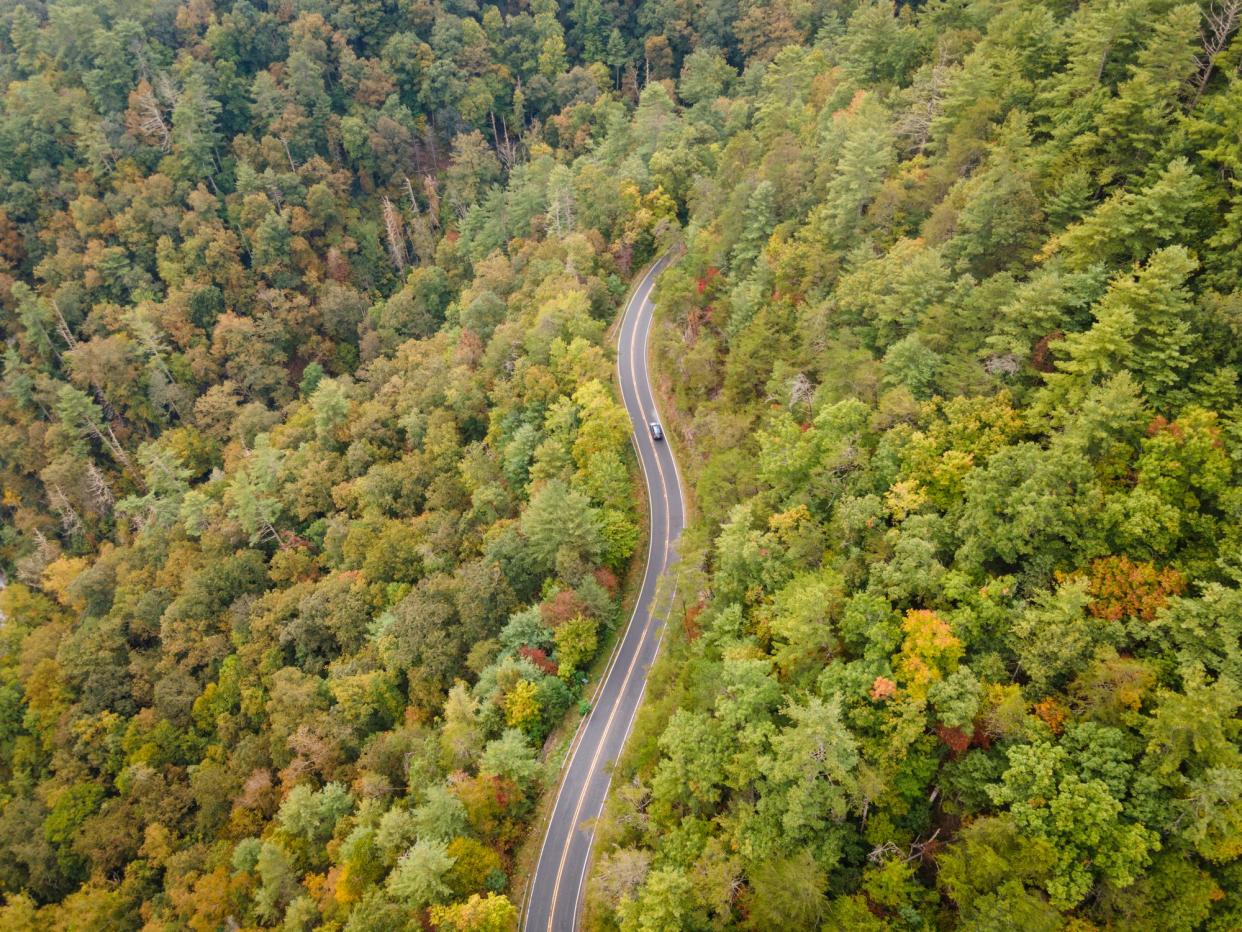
(152, 120)
(62, 326)
(70, 520)
(118, 451)
(98, 485)
(1221, 20)
(506, 151)
(394, 231)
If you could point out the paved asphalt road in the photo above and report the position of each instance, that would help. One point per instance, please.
(560, 876)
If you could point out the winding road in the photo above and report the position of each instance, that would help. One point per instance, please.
(560, 875)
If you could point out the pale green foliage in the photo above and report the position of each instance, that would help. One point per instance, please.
(990, 874)
(418, 878)
(311, 815)
(664, 903)
(955, 699)
(278, 882)
(510, 756)
(1132, 225)
(787, 893)
(1139, 327)
(253, 502)
(1054, 633)
(397, 830)
(812, 769)
(866, 155)
(561, 525)
(330, 407)
(1192, 747)
(166, 484)
(802, 617)
(694, 756)
(460, 736)
(440, 817)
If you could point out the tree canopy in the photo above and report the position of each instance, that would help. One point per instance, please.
(315, 495)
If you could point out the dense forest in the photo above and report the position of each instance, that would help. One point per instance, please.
(955, 351)
(316, 500)
(316, 497)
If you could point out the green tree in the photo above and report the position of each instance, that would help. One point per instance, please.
(811, 770)
(460, 738)
(166, 480)
(310, 815)
(441, 816)
(1051, 797)
(759, 219)
(589, 30)
(616, 54)
(1140, 326)
(561, 527)
(194, 128)
(254, 503)
(330, 406)
(512, 758)
(787, 894)
(994, 873)
(418, 879)
(1192, 748)
(704, 76)
(665, 902)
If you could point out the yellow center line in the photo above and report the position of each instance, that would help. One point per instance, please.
(653, 614)
(560, 870)
(633, 661)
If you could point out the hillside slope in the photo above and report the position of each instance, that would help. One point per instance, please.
(314, 495)
(955, 350)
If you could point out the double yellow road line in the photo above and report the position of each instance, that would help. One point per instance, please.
(637, 305)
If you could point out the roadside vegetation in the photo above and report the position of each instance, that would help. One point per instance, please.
(314, 493)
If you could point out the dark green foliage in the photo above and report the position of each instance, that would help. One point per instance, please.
(313, 495)
(964, 436)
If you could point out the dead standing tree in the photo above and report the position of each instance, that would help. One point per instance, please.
(394, 232)
(149, 116)
(1220, 22)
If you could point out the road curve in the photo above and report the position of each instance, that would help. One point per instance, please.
(560, 875)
